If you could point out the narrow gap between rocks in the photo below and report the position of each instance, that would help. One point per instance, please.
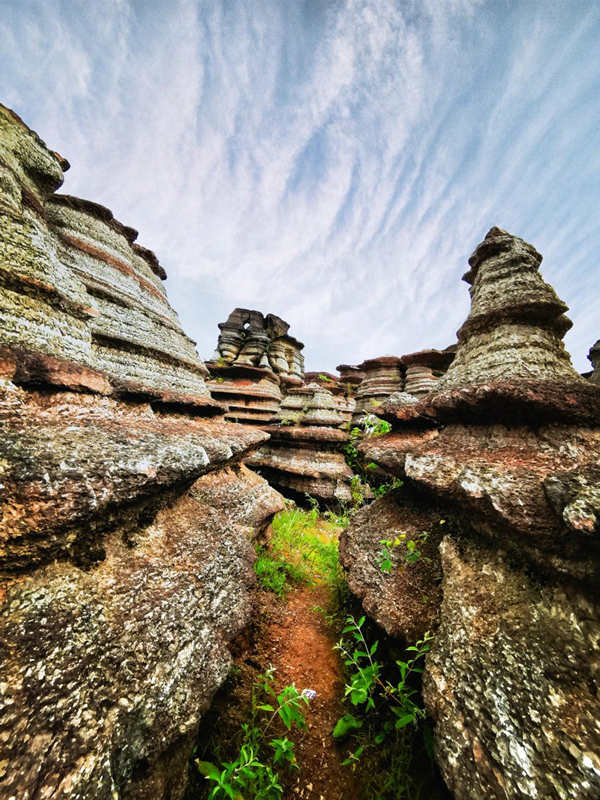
(301, 608)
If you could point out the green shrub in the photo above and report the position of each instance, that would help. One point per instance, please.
(254, 775)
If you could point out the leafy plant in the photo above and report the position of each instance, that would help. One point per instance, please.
(367, 687)
(411, 552)
(250, 776)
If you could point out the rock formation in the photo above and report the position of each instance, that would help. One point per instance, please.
(423, 369)
(255, 362)
(511, 360)
(382, 377)
(126, 517)
(509, 463)
(350, 376)
(305, 457)
(342, 392)
(594, 357)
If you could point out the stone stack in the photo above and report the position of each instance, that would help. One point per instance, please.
(306, 457)
(255, 363)
(510, 358)
(382, 377)
(125, 515)
(594, 357)
(423, 370)
(507, 483)
(350, 376)
(342, 393)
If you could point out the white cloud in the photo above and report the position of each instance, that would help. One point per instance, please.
(334, 163)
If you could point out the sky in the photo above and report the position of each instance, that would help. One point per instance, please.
(332, 162)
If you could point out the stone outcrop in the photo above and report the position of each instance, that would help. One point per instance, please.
(126, 518)
(505, 450)
(594, 357)
(511, 362)
(252, 395)
(404, 602)
(342, 392)
(305, 457)
(382, 377)
(350, 376)
(423, 369)
(255, 363)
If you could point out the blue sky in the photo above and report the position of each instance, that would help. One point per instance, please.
(331, 162)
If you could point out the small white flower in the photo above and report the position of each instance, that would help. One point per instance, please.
(310, 694)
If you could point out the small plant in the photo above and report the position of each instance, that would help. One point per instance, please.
(250, 776)
(395, 701)
(357, 491)
(384, 488)
(325, 378)
(411, 552)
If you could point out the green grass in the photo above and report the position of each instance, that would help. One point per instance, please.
(303, 550)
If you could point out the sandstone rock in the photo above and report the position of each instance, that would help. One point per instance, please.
(252, 395)
(510, 361)
(107, 672)
(383, 376)
(254, 359)
(125, 518)
(350, 376)
(404, 601)
(75, 288)
(510, 458)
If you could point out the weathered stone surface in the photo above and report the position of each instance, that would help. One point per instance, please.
(512, 681)
(306, 457)
(76, 288)
(252, 395)
(106, 672)
(512, 464)
(299, 461)
(125, 518)
(351, 376)
(68, 459)
(423, 369)
(382, 377)
(405, 600)
(254, 359)
(249, 338)
(510, 361)
(594, 357)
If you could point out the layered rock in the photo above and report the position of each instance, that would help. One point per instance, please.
(511, 360)
(342, 392)
(423, 369)
(125, 517)
(251, 395)
(350, 376)
(511, 680)
(594, 357)
(382, 377)
(306, 457)
(255, 362)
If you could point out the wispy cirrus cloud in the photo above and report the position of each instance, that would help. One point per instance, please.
(334, 163)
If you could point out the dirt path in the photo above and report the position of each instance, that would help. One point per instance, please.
(299, 644)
